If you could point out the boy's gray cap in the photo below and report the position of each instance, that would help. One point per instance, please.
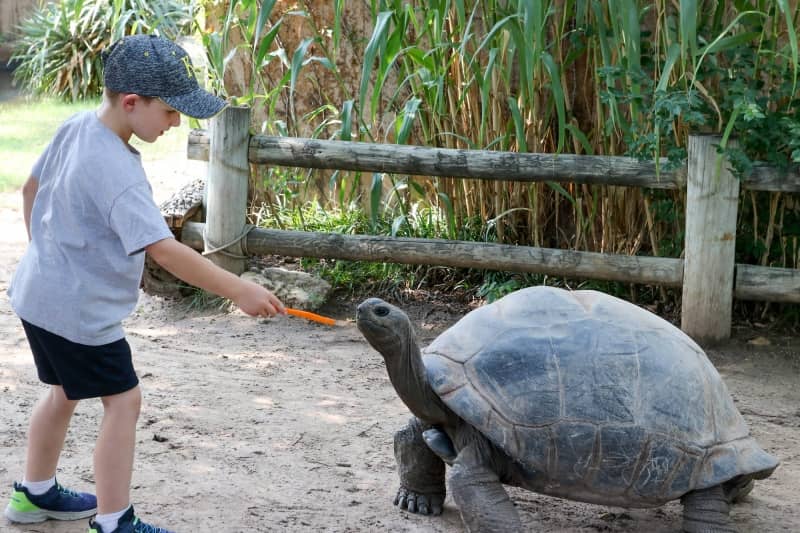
(148, 65)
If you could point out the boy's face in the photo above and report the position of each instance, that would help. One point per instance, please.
(149, 118)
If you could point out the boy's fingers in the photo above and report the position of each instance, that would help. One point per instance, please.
(276, 304)
(269, 311)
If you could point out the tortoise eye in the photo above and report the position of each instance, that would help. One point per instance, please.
(381, 310)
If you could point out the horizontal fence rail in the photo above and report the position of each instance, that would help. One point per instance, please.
(480, 164)
(450, 162)
(769, 284)
(461, 254)
(751, 282)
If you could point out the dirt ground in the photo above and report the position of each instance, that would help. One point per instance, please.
(287, 425)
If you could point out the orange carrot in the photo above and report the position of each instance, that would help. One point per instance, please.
(308, 315)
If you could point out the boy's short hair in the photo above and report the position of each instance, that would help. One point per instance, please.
(149, 65)
(113, 95)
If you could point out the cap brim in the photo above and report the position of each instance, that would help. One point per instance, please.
(196, 104)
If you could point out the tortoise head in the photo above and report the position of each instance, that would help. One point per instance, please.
(390, 332)
(386, 327)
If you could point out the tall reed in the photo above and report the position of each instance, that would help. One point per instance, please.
(613, 77)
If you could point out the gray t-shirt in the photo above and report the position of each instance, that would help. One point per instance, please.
(93, 216)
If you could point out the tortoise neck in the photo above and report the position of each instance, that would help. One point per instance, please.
(407, 374)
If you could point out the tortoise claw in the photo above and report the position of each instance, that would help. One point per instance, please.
(417, 503)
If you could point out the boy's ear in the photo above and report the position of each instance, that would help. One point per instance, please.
(129, 101)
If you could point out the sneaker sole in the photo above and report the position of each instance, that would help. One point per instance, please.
(33, 517)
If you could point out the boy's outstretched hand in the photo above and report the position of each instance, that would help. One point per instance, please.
(255, 300)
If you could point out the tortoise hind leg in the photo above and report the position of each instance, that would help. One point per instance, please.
(481, 498)
(738, 488)
(422, 486)
(707, 511)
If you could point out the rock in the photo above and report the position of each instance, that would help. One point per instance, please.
(157, 281)
(759, 341)
(299, 290)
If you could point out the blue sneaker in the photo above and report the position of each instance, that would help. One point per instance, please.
(57, 503)
(129, 523)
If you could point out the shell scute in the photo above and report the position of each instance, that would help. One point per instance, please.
(723, 463)
(674, 389)
(574, 452)
(661, 460)
(479, 410)
(620, 448)
(683, 479)
(537, 447)
(601, 404)
(509, 373)
(444, 374)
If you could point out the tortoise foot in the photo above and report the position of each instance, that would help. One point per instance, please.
(418, 503)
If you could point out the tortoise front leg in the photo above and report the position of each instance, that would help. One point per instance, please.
(422, 486)
(706, 511)
(481, 498)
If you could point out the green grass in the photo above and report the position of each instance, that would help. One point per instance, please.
(26, 126)
(25, 129)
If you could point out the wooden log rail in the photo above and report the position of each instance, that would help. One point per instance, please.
(751, 282)
(460, 254)
(708, 275)
(479, 164)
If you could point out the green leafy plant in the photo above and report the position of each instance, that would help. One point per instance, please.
(59, 45)
(248, 31)
(495, 287)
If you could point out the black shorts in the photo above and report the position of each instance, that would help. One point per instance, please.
(83, 371)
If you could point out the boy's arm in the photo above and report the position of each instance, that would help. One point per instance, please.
(188, 265)
(29, 189)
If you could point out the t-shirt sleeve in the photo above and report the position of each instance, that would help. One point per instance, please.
(36, 171)
(52, 149)
(137, 220)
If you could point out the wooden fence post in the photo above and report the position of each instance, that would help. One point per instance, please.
(712, 197)
(226, 188)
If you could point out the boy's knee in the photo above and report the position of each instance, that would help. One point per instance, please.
(129, 401)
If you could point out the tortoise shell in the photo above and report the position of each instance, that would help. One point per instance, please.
(597, 399)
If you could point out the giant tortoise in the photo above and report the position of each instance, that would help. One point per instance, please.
(574, 394)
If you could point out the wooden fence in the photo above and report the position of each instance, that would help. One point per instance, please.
(708, 274)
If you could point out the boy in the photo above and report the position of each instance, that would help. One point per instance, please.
(90, 215)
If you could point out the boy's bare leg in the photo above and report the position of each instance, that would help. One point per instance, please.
(48, 429)
(113, 453)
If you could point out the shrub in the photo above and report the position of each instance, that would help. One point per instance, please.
(58, 49)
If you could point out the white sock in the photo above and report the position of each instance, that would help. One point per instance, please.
(38, 487)
(109, 522)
